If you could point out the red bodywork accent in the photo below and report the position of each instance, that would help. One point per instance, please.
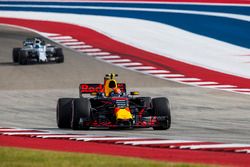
(122, 87)
(119, 98)
(95, 88)
(90, 88)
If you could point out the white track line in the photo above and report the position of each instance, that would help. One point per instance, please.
(82, 47)
(155, 71)
(85, 47)
(87, 137)
(243, 151)
(16, 130)
(64, 136)
(169, 75)
(128, 64)
(88, 50)
(186, 79)
(201, 83)
(62, 41)
(25, 133)
(73, 43)
(211, 146)
(76, 46)
(98, 53)
(118, 60)
(108, 139)
(49, 35)
(219, 86)
(152, 142)
(142, 68)
(61, 38)
(108, 57)
(246, 93)
(236, 89)
(7, 129)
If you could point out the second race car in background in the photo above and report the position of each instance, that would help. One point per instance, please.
(112, 107)
(36, 51)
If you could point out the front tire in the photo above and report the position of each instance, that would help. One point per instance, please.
(15, 54)
(81, 115)
(64, 112)
(161, 109)
(23, 57)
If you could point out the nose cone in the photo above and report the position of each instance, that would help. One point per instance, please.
(123, 114)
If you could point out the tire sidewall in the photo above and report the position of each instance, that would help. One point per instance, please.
(15, 54)
(161, 108)
(64, 112)
(81, 108)
(23, 57)
(59, 55)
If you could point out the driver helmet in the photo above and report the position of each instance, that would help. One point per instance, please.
(37, 43)
(116, 92)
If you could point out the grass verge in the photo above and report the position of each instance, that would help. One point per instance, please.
(19, 157)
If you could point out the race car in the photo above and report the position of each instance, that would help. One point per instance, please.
(112, 107)
(36, 51)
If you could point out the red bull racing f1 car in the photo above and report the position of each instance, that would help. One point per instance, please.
(112, 107)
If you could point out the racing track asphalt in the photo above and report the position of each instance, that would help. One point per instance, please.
(28, 96)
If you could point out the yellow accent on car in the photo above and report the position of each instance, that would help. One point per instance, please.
(110, 83)
(123, 114)
(134, 93)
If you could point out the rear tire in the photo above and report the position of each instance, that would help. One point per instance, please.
(161, 109)
(59, 55)
(64, 112)
(15, 54)
(81, 112)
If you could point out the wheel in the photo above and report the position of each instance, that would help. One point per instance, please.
(59, 55)
(161, 109)
(64, 112)
(81, 115)
(23, 57)
(15, 54)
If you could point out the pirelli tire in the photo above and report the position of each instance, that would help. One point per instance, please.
(161, 109)
(81, 114)
(15, 55)
(64, 112)
(23, 57)
(59, 55)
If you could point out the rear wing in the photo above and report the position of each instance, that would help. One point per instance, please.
(95, 88)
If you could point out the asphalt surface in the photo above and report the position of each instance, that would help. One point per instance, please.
(28, 96)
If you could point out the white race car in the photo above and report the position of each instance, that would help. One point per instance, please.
(36, 51)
